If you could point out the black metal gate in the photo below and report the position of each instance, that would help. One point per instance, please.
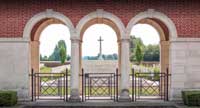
(99, 86)
(148, 86)
(48, 86)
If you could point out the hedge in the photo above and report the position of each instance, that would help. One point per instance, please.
(8, 98)
(191, 98)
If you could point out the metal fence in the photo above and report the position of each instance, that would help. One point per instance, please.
(148, 86)
(100, 86)
(48, 86)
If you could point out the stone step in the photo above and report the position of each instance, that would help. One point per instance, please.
(61, 104)
(100, 107)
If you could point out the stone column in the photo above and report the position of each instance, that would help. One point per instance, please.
(125, 69)
(119, 57)
(75, 62)
(80, 67)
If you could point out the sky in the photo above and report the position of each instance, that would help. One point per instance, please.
(147, 33)
(90, 46)
(50, 37)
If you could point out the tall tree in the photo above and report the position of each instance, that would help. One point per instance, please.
(134, 41)
(139, 53)
(41, 58)
(55, 56)
(45, 58)
(61, 43)
(115, 56)
(62, 51)
(68, 57)
(152, 53)
(62, 54)
(59, 51)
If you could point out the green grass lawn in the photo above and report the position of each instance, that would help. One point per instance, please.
(56, 91)
(145, 91)
(45, 69)
(49, 76)
(53, 91)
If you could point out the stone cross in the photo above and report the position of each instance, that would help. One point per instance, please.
(100, 47)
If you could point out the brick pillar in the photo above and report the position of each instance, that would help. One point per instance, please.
(164, 63)
(35, 56)
(35, 63)
(164, 55)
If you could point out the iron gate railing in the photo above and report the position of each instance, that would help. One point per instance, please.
(148, 86)
(49, 86)
(99, 86)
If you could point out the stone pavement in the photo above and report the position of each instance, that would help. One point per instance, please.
(59, 69)
(139, 104)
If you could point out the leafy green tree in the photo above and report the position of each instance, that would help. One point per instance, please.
(133, 44)
(132, 47)
(115, 56)
(110, 57)
(55, 56)
(104, 56)
(62, 51)
(61, 43)
(62, 54)
(59, 48)
(45, 58)
(68, 57)
(152, 53)
(41, 59)
(139, 53)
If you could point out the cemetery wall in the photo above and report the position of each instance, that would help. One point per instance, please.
(16, 13)
(14, 68)
(185, 66)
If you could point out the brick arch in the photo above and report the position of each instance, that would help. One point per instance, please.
(100, 21)
(167, 32)
(162, 33)
(37, 30)
(101, 16)
(48, 14)
(34, 28)
(159, 17)
(164, 26)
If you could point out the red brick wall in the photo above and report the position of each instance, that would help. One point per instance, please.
(14, 14)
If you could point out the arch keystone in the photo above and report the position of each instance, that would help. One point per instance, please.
(150, 13)
(100, 13)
